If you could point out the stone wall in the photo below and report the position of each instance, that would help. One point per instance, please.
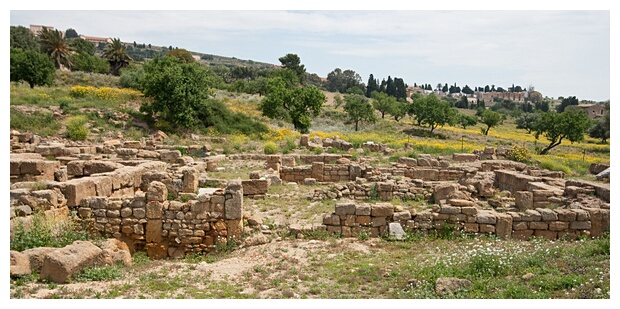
(32, 167)
(168, 228)
(351, 219)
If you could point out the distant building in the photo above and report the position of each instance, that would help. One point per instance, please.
(489, 96)
(593, 110)
(36, 29)
(95, 39)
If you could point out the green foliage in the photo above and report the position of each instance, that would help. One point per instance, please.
(54, 45)
(555, 127)
(270, 147)
(383, 102)
(116, 54)
(22, 38)
(431, 111)
(76, 128)
(47, 232)
(527, 121)
(40, 123)
(32, 67)
(179, 90)
(359, 109)
(601, 128)
(341, 81)
(100, 273)
(82, 46)
(292, 103)
(130, 77)
(490, 119)
(566, 102)
(519, 154)
(88, 63)
(465, 120)
(182, 54)
(293, 62)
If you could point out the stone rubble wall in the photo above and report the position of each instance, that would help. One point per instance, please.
(353, 218)
(168, 228)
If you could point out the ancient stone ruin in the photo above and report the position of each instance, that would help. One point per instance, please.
(152, 198)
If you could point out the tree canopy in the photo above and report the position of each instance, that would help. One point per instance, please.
(555, 127)
(54, 45)
(32, 67)
(117, 56)
(359, 109)
(292, 103)
(430, 110)
(490, 119)
(341, 81)
(293, 62)
(21, 37)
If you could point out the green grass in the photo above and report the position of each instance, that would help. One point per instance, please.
(47, 232)
(40, 123)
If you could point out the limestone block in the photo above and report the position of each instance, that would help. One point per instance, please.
(61, 264)
(157, 191)
(378, 221)
(382, 210)
(255, 186)
(503, 226)
(538, 225)
(558, 226)
(75, 190)
(331, 219)
(547, 214)
(580, 225)
(487, 228)
(551, 235)
(524, 200)
(345, 208)
(486, 217)
(444, 190)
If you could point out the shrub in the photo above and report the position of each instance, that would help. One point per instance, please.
(270, 147)
(519, 154)
(76, 128)
(47, 232)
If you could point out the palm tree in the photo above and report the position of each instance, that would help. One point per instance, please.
(53, 43)
(116, 55)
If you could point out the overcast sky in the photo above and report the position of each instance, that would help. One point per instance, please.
(560, 53)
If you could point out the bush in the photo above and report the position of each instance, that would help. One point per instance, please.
(76, 128)
(47, 232)
(270, 147)
(519, 154)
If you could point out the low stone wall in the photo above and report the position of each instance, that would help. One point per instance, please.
(32, 167)
(351, 219)
(321, 172)
(168, 228)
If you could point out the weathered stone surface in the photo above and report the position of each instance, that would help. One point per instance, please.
(77, 189)
(61, 264)
(382, 210)
(331, 219)
(486, 217)
(547, 214)
(401, 216)
(524, 200)
(396, 230)
(461, 202)
(233, 207)
(444, 190)
(116, 251)
(157, 192)
(464, 157)
(363, 210)
(20, 264)
(503, 227)
(345, 208)
(36, 256)
(190, 179)
(448, 286)
(255, 186)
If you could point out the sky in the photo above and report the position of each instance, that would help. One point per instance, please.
(558, 52)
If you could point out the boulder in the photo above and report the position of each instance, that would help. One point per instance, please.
(116, 251)
(63, 263)
(20, 265)
(447, 286)
(36, 256)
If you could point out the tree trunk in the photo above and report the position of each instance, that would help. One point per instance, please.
(356, 125)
